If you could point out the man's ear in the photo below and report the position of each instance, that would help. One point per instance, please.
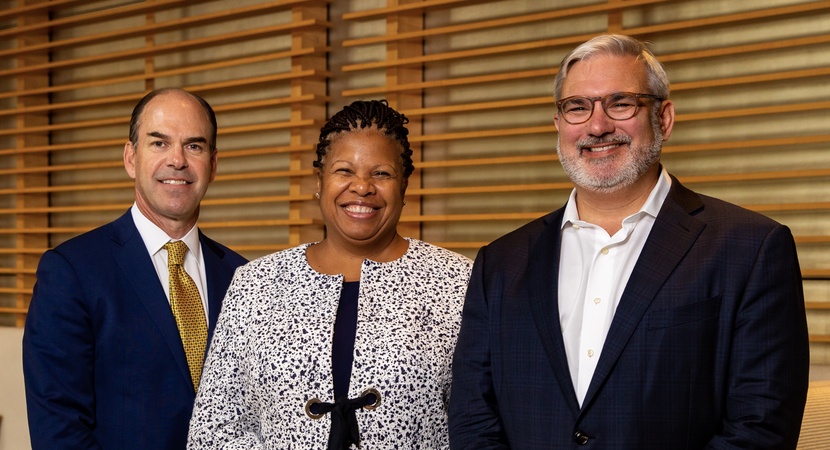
(666, 119)
(129, 159)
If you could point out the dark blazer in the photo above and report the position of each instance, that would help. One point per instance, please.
(103, 362)
(708, 347)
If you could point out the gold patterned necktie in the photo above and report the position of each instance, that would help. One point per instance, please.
(187, 309)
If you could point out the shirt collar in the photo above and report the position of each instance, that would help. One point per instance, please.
(154, 237)
(651, 206)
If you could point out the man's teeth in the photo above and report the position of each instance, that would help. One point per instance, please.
(602, 149)
(174, 182)
(359, 209)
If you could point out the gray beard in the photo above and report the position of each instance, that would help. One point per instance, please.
(642, 159)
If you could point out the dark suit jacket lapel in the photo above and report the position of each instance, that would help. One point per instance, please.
(218, 277)
(543, 293)
(135, 263)
(674, 232)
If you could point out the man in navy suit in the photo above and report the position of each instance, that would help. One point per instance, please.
(104, 364)
(641, 315)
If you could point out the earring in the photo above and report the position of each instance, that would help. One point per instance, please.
(317, 195)
(404, 202)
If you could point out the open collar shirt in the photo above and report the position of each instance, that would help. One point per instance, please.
(593, 272)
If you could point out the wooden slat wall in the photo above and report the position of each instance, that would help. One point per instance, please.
(474, 76)
(66, 103)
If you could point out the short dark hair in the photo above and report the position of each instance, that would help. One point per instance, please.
(139, 109)
(366, 114)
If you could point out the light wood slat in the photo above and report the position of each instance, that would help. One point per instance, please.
(574, 40)
(133, 98)
(479, 134)
(16, 270)
(745, 49)
(550, 73)
(756, 176)
(22, 251)
(120, 142)
(407, 7)
(469, 53)
(483, 217)
(498, 23)
(196, 68)
(751, 79)
(64, 147)
(790, 207)
(259, 223)
(91, 17)
(817, 305)
(145, 51)
(756, 111)
(13, 310)
(451, 82)
(748, 144)
(68, 188)
(488, 189)
(63, 167)
(734, 18)
(144, 30)
(125, 120)
(123, 206)
(482, 106)
(493, 161)
(820, 338)
(35, 7)
(202, 225)
(812, 239)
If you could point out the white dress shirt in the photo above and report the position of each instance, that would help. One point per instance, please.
(154, 239)
(593, 272)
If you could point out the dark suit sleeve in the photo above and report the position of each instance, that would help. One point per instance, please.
(58, 360)
(769, 365)
(473, 414)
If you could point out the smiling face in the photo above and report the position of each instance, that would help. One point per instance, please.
(606, 155)
(171, 162)
(362, 186)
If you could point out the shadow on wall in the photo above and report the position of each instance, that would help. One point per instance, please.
(14, 431)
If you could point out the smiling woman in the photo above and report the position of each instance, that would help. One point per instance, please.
(361, 325)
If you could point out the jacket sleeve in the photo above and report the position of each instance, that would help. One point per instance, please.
(58, 360)
(769, 367)
(224, 415)
(473, 414)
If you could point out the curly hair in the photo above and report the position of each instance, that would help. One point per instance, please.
(367, 114)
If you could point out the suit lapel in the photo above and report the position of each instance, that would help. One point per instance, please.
(218, 278)
(138, 269)
(543, 289)
(671, 237)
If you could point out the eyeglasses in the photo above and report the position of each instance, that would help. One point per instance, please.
(617, 105)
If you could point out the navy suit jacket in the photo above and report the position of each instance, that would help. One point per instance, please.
(103, 361)
(708, 347)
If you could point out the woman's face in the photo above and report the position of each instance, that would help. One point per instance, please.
(361, 188)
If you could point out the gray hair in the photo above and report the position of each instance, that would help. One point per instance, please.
(616, 45)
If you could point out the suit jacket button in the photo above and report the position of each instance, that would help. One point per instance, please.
(580, 438)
